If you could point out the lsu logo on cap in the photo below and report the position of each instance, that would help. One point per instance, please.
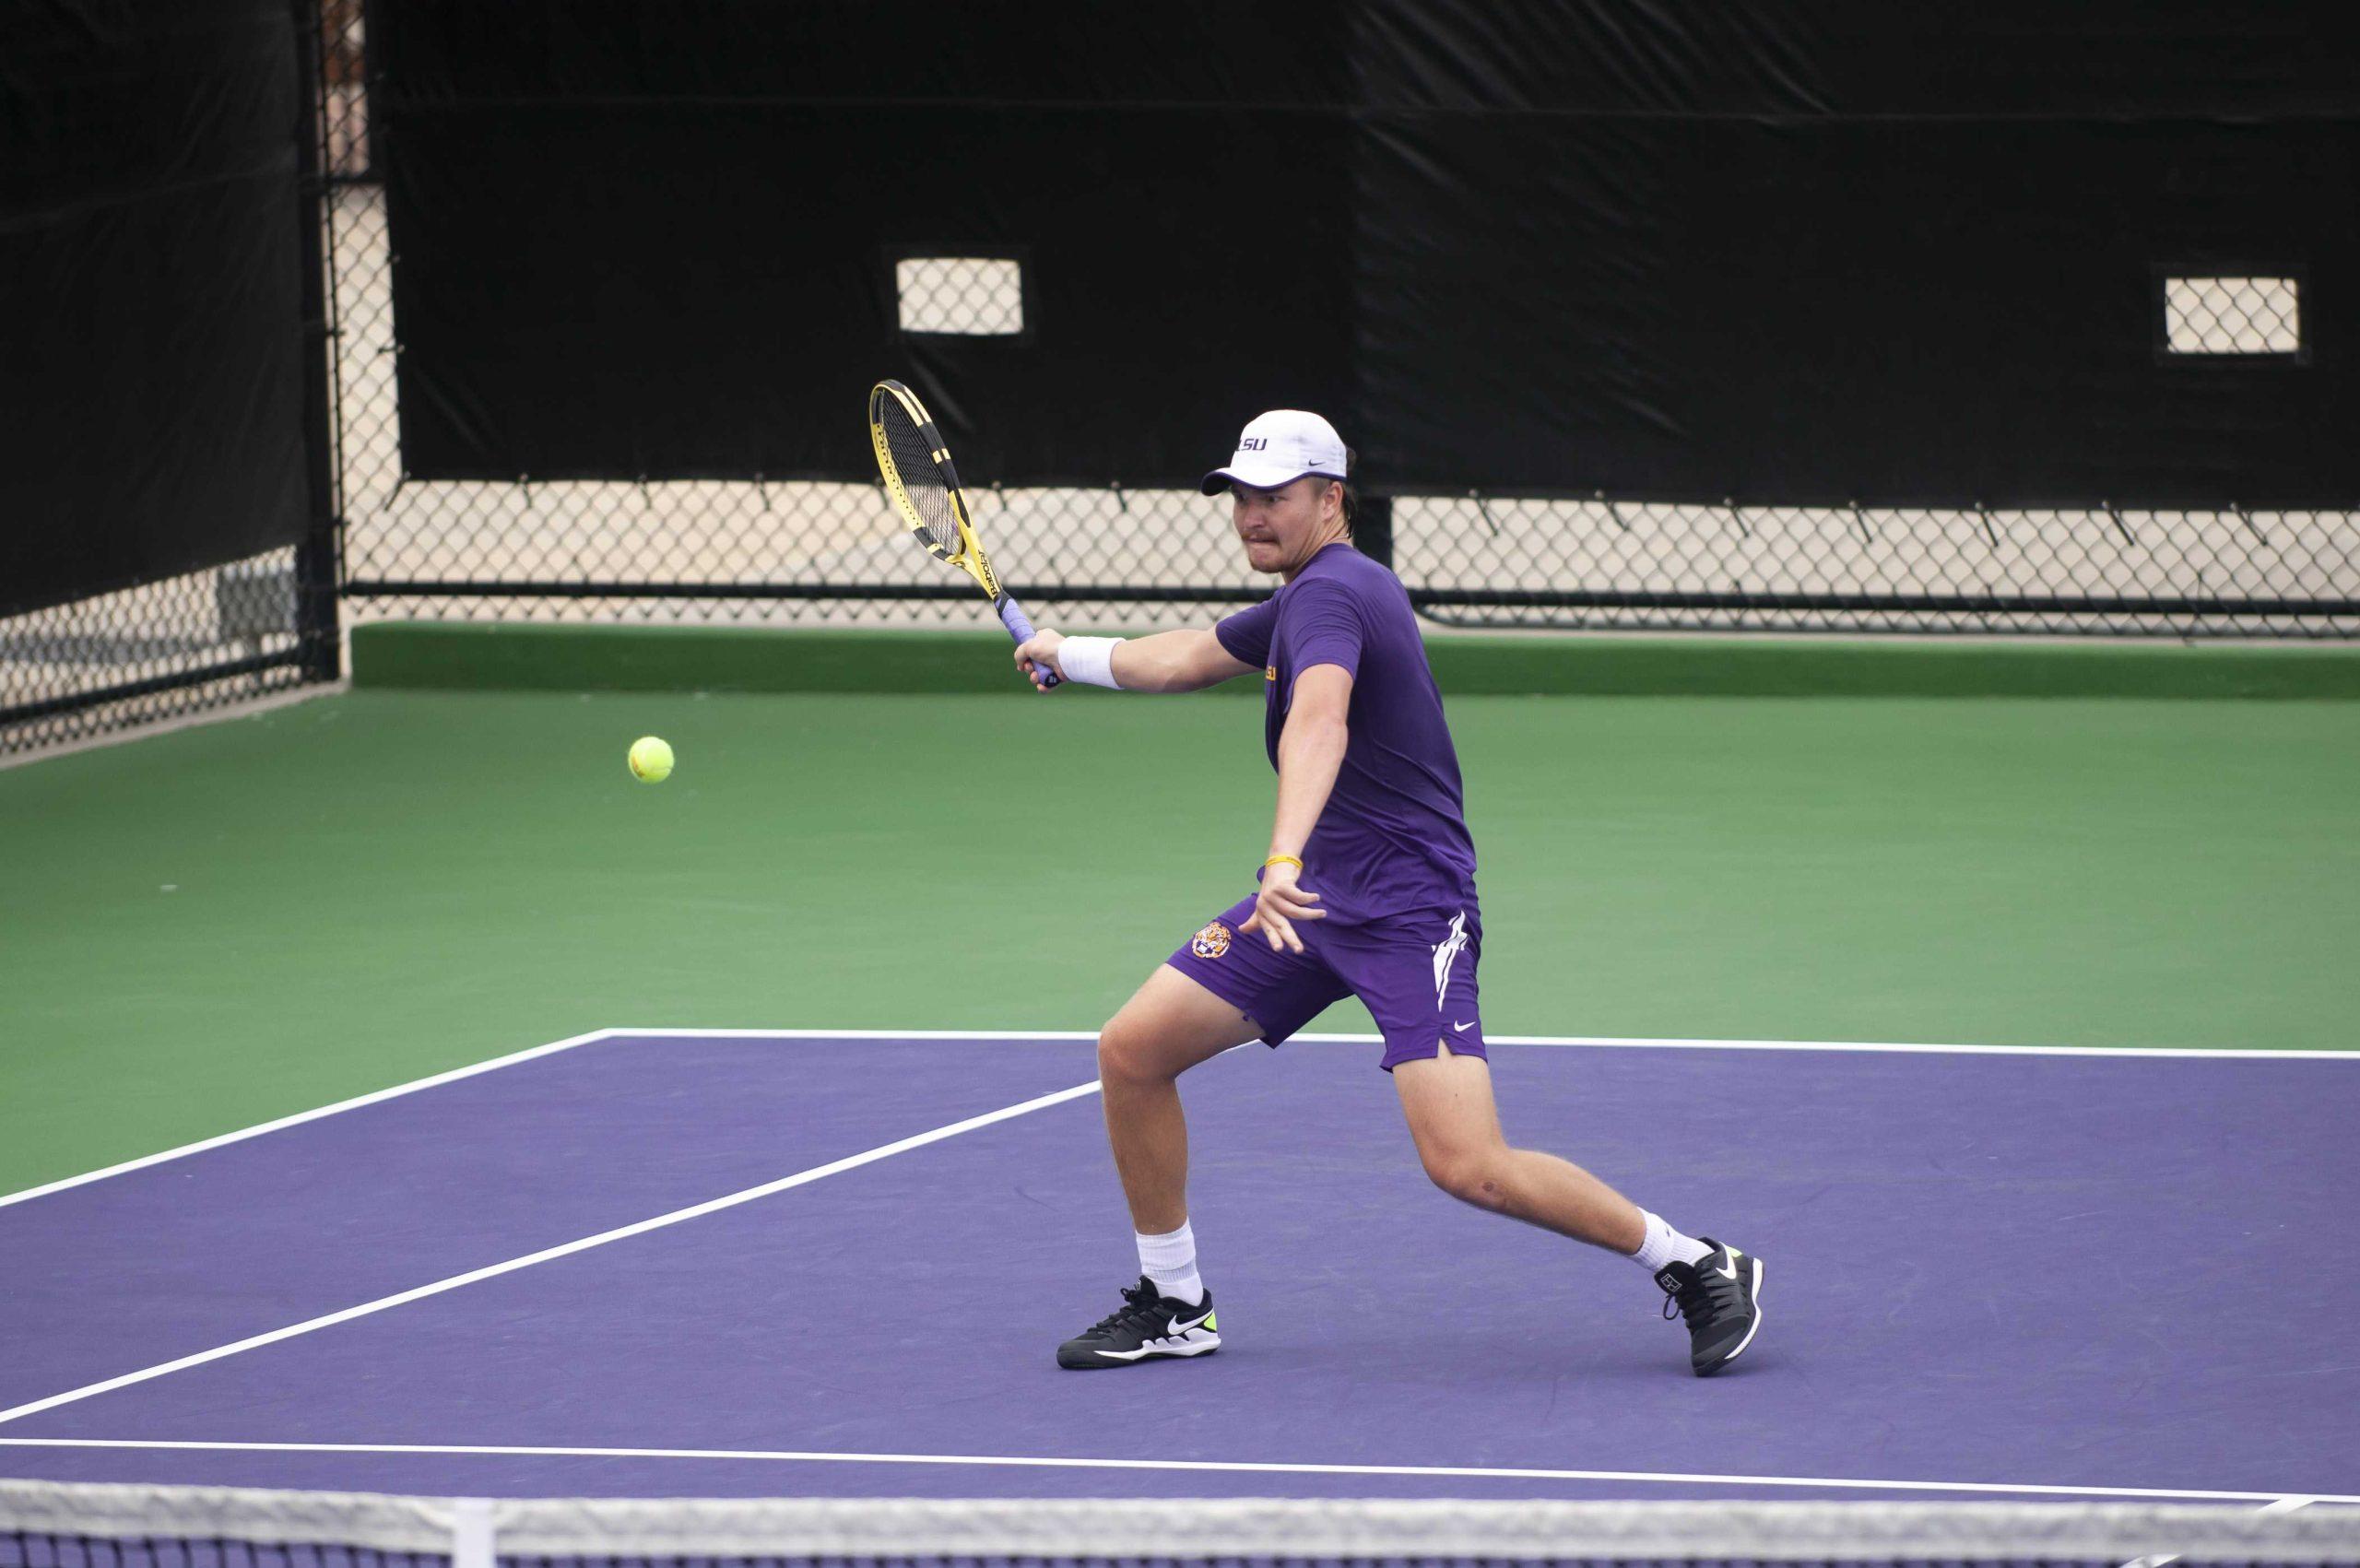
(1211, 942)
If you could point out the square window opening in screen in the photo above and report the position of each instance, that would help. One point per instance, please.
(969, 296)
(2233, 316)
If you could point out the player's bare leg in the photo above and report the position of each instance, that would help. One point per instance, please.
(1447, 1099)
(1170, 1025)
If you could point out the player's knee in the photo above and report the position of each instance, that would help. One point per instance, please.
(1124, 1054)
(1470, 1175)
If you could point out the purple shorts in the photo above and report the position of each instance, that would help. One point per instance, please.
(1416, 975)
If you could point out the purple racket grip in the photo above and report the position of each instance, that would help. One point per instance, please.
(1022, 629)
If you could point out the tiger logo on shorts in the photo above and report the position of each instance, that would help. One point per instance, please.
(1211, 942)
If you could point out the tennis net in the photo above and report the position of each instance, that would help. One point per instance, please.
(51, 1525)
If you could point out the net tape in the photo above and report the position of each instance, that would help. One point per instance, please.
(477, 1533)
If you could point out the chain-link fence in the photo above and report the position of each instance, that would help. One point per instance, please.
(805, 554)
(799, 554)
(196, 640)
(155, 652)
(726, 552)
(834, 554)
(2101, 570)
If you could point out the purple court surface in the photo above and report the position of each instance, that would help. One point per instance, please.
(1990, 1274)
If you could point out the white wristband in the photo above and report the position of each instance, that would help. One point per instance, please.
(1090, 660)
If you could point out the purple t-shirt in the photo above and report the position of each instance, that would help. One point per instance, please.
(1393, 838)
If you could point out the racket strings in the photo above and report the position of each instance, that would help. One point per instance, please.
(921, 480)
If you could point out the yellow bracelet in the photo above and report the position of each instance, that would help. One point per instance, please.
(1282, 859)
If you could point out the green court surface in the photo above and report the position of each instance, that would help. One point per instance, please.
(213, 927)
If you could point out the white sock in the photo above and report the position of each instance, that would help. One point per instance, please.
(1665, 1244)
(1169, 1261)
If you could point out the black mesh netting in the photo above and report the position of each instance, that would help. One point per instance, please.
(833, 554)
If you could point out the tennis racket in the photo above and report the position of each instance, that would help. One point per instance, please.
(924, 487)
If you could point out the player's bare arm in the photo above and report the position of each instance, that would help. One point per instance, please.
(1169, 661)
(1310, 750)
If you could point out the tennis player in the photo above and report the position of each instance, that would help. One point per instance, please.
(1368, 889)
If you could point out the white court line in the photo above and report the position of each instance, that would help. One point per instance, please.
(547, 1255)
(1633, 1042)
(453, 1075)
(1629, 1041)
(300, 1117)
(1049, 1035)
(2278, 1500)
(2197, 1053)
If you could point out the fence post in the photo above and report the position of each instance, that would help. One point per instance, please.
(316, 567)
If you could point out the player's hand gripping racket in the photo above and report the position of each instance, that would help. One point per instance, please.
(924, 487)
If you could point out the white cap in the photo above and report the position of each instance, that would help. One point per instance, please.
(1278, 448)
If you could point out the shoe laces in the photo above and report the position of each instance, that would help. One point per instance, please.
(1706, 1292)
(1138, 1306)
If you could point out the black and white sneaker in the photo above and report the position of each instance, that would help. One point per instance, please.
(1721, 1298)
(1147, 1327)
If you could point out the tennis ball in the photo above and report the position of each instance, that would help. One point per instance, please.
(651, 759)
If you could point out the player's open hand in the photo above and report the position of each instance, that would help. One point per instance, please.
(1279, 905)
(1037, 654)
